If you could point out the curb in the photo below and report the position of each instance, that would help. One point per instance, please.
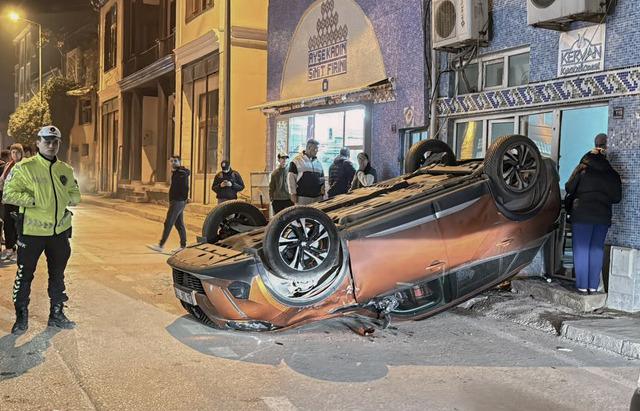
(608, 335)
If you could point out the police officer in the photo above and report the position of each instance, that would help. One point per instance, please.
(42, 186)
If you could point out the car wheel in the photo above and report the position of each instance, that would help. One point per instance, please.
(301, 243)
(230, 218)
(198, 314)
(519, 177)
(428, 152)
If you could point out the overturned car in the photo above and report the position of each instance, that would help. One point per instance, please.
(406, 248)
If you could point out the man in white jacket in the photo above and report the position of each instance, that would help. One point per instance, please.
(305, 179)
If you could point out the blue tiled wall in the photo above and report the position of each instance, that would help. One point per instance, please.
(624, 154)
(397, 25)
(622, 49)
(510, 30)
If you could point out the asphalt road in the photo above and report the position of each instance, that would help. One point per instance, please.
(135, 348)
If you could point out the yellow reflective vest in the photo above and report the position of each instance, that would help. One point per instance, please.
(42, 189)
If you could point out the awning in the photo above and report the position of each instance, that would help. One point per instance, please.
(378, 92)
(80, 92)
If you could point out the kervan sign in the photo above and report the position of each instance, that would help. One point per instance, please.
(581, 51)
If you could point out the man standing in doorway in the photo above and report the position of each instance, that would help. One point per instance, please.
(306, 176)
(43, 187)
(341, 174)
(227, 183)
(178, 195)
(278, 185)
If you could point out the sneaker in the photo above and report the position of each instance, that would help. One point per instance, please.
(582, 290)
(13, 256)
(4, 255)
(156, 247)
(177, 250)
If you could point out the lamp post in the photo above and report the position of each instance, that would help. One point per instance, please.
(13, 16)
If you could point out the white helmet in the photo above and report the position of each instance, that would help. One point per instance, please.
(49, 132)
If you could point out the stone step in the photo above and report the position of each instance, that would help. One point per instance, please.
(137, 199)
(559, 292)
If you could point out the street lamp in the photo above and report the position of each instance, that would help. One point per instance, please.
(14, 16)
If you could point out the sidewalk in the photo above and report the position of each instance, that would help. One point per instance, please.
(193, 216)
(555, 308)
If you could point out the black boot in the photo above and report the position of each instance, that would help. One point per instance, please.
(22, 321)
(58, 319)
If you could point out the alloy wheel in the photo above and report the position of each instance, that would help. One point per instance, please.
(519, 168)
(304, 244)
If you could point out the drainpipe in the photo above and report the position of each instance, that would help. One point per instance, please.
(227, 88)
(434, 93)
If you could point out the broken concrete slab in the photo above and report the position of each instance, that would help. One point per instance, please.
(617, 335)
(559, 293)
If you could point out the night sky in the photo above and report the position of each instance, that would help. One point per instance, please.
(52, 14)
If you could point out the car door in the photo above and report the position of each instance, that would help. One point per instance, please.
(398, 250)
(470, 228)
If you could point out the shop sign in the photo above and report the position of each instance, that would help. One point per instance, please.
(581, 51)
(328, 46)
(333, 48)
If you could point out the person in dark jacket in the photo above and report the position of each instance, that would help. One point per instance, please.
(341, 174)
(178, 195)
(278, 193)
(594, 186)
(227, 183)
(366, 175)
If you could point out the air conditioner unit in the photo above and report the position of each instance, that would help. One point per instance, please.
(557, 14)
(457, 23)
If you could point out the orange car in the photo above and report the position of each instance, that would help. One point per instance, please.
(406, 248)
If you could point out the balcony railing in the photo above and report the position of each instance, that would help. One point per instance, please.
(160, 49)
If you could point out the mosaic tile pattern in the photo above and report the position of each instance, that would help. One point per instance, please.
(398, 27)
(583, 88)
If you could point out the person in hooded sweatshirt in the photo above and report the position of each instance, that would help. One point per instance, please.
(594, 186)
(341, 174)
(178, 196)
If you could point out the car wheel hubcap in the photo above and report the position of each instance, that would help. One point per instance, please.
(519, 167)
(304, 244)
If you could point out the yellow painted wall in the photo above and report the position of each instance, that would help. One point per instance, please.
(248, 127)
(107, 85)
(248, 88)
(186, 32)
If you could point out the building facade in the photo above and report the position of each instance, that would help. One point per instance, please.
(136, 96)
(164, 90)
(347, 73)
(81, 66)
(214, 91)
(560, 86)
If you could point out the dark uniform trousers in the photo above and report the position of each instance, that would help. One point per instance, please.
(57, 250)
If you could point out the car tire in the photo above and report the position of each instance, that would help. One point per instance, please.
(419, 153)
(198, 314)
(520, 178)
(215, 227)
(289, 250)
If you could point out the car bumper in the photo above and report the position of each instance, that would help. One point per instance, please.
(228, 287)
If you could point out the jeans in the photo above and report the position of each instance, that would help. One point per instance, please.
(175, 217)
(279, 205)
(588, 253)
(57, 250)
